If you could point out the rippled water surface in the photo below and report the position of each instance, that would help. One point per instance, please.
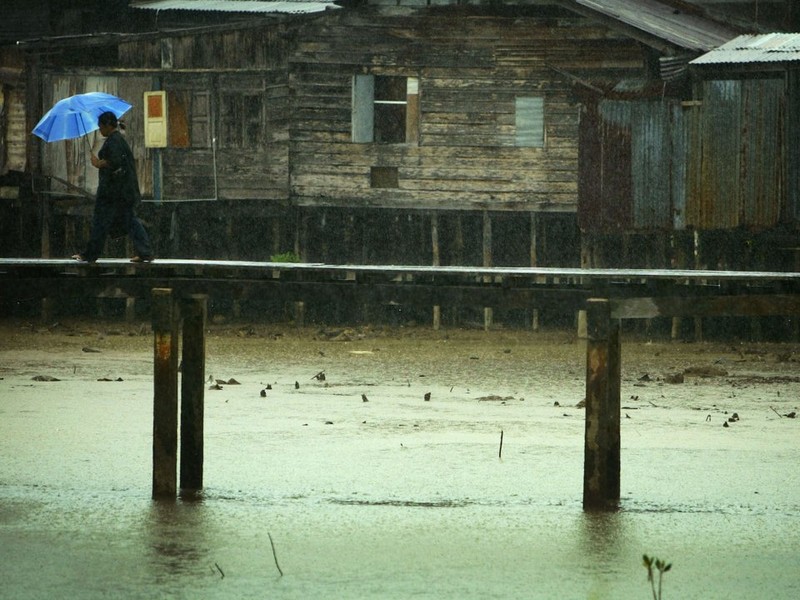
(396, 497)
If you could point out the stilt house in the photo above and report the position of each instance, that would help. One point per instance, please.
(537, 132)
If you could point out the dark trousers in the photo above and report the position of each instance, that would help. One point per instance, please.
(108, 214)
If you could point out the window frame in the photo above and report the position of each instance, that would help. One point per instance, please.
(529, 122)
(367, 110)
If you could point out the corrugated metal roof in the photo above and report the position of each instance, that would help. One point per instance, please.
(769, 47)
(662, 21)
(239, 6)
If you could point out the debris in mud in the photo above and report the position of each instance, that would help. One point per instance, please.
(790, 415)
(645, 377)
(495, 398)
(581, 404)
(733, 418)
(319, 376)
(90, 349)
(674, 378)
(45, 378)
(705, 371)
(109, 379)
(765, 379)
(340, 335)
(216, 386)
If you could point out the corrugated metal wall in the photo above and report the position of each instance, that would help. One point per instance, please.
(628, 156)
(737, 155)
(719, 163)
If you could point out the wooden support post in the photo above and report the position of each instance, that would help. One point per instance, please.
(130, 309)
(194, 311)
(46, 308)
(165, 394)
(301, 250)
(458, 258)
(488, 313)
(130, 301)
(698, 264)
(534, 251)
(601, 466)
(437, 310)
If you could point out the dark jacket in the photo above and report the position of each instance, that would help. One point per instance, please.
(118, 182)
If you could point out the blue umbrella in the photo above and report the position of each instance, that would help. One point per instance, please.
(77, 115)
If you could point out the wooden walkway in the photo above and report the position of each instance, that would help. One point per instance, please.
(635, 293)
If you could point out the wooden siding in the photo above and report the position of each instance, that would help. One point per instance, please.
(472, 66)
(253, 48)
(225, 65)
(12, 106)
(69, 159)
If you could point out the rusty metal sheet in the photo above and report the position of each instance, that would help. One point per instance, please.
(737, 155)
(627, 180)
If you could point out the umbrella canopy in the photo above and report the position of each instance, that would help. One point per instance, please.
(77, 115)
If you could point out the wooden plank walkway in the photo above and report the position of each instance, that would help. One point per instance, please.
(658, 291)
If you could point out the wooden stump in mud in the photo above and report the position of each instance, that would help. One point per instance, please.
(601, 467)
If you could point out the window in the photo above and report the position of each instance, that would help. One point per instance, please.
(189, 119)
(241, 120)
(529, 115)
(385, 109)
(383, 177)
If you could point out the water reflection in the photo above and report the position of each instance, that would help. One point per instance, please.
(177, 536)
(604, 535)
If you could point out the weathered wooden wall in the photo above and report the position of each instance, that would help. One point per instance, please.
(472, 64)
(234, 86)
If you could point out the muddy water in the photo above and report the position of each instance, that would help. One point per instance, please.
(396, 497)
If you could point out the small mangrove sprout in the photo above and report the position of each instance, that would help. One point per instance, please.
(651, 562)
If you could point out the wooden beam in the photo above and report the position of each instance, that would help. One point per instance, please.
(437, 309)
(194, 311)
(165, 394)
(706, 306)
(601, 466)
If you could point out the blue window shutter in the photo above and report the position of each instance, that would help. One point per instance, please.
(530, 122)
(363, 112)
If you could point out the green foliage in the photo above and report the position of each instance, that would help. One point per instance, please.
(285, 257)
(661, 566)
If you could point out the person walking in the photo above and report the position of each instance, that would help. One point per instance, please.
(117, 195)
